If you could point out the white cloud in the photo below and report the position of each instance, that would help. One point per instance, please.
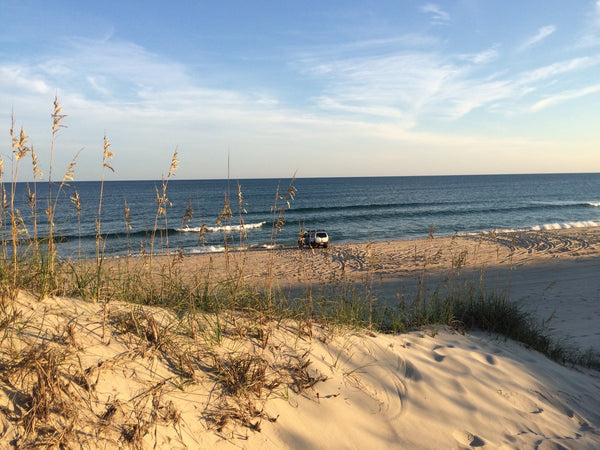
(542, 34)
(21, 78)
(486, 56)
(110, 68)
(558, 68)
(565, 96)
(438, 16)
(410, 86)
(98, 84)
(590, 36)
(483, 57)
(362, 110)
(398, 81)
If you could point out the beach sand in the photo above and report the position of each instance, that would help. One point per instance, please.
(431, 388)
(554, 274)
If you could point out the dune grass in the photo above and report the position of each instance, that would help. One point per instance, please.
(201, 311)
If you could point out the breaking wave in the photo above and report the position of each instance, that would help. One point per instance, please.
(548, 226)
(217, 229)
(561, 226)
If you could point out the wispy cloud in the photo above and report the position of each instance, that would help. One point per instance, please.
(437, 15)
(397, 81)
(590, 36)
(409, 85)
(542, 34)
(483, 57)
(23, 79)
(110, 69)
(565, 96)
(558, 68)
(410, 88)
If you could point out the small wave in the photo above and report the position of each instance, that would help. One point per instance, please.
(207, 249)
(566, 203)
(216, 229)
(566, 225)
(368, 206)
(447, 210)
(545, 227)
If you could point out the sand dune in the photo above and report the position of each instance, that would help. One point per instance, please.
(116, 386)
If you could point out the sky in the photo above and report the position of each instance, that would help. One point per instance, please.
(255, 89)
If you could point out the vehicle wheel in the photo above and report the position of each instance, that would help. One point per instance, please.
(324, 245)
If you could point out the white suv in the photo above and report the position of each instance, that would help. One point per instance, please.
(318, 238)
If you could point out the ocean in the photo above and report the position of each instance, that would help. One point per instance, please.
(349, 209)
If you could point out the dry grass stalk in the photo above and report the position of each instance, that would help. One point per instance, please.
(32, 196)
(57, 117)
(19, 150)
(162, 203)
(281, 205)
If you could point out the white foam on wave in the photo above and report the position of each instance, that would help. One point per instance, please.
(566, 225)
(566, 203)
(217, 229)
(546, 227)
(207, 249)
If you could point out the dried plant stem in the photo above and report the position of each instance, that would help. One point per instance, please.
(57, 118)
(37, 174)
(77, 204)
(107, 155)
(19, 151)
(281, 205)
(3, 208)
(162, 203)
(128, 228)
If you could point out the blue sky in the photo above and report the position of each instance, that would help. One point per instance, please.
(333, 88)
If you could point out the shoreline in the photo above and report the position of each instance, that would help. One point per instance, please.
(397, 258)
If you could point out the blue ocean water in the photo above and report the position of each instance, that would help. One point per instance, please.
(349, 209)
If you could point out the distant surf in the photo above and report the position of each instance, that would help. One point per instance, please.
(547, 227)
(217, 229)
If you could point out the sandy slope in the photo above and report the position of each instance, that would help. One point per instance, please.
(425, 389)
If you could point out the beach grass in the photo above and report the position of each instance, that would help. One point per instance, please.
(215, 321)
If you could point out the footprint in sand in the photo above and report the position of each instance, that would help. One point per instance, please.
(469, 439)
(484, 358)
(437, 355)
(521, 402)
(410, 371)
